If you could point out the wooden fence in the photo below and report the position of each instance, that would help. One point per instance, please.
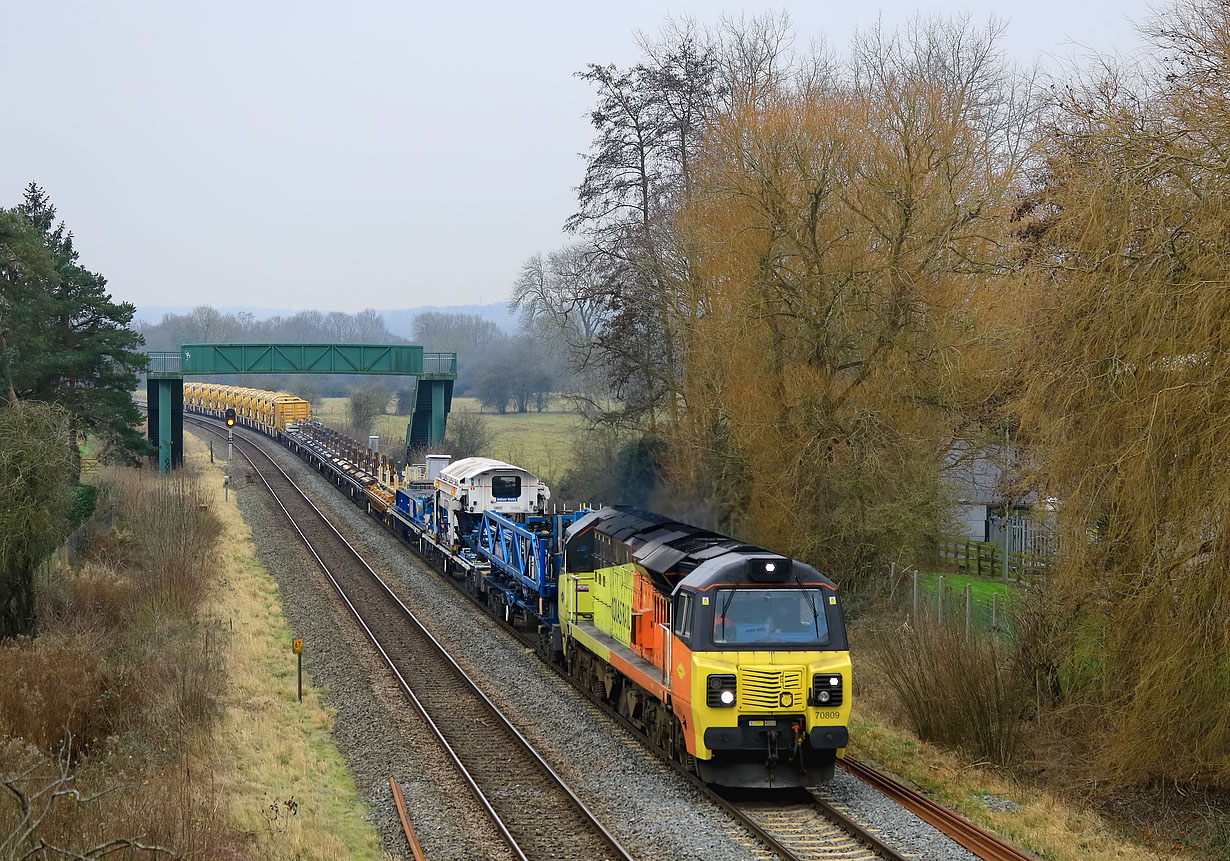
(983, 559)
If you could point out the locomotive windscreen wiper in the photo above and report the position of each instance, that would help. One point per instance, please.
(730, 596)
(811, 600)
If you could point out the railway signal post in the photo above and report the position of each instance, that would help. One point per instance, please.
(297, 645)
(230, 432)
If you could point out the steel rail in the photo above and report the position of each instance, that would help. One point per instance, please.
(981, 842)
(422, 710)
(406, 825)
(731, 809)
(777, 844)
(585, 812)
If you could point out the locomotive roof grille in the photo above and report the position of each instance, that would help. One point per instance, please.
(697, 543)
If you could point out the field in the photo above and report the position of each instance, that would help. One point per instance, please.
(981, 588)
(540, 442)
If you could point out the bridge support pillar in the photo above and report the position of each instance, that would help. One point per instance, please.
(432, 400)
(165, 397)
(439, 412)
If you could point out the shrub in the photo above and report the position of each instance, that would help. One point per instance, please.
(618, 468)
(121, 644)
(53, 684)
(963, 693)
(94, 597)
(468, 436)
(106, 699)
(367, 402)
(84, 499)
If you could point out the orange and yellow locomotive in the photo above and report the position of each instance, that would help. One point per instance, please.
(730, 657)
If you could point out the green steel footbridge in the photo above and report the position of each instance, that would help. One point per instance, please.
(434, 375)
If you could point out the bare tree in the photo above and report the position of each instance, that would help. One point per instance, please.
(563, 291)
(210, 325)
(340, 326)
(649, 123)
(1127, 396)
(368, 327)
(841, 231)
(365, 404)
(468, 436)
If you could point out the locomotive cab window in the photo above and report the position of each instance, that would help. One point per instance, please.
(787, 618)
(683, 615)
(580, 555)
(506, 486)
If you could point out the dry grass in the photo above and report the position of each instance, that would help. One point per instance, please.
(159, 689)
(1047, 823)
(960, 692)
(54, 684)
(116, 696)
(272, 747)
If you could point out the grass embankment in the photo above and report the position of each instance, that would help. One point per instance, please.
(540, 442)
(1040, 821)
(1048, 823)
(981, 588)
(160, 688)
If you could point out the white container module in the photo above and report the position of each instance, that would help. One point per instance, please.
(472, 485)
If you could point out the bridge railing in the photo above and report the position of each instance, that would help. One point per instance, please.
(161, 363)
(440, 363)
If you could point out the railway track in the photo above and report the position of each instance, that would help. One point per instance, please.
(531, 807)
(797, 825)
(805, 827)
(982, 843)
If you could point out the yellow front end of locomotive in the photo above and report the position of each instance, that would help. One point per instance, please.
(784, 712)
(769, 684)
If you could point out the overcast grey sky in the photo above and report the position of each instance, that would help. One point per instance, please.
(353, 155)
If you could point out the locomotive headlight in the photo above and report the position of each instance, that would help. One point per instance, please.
(826, 689)
(720, 691)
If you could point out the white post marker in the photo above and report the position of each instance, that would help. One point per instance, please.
(969, 606)
(915, 597)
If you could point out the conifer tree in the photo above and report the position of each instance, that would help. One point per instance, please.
(88, 357)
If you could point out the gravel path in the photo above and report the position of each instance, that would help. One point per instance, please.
(651, 809)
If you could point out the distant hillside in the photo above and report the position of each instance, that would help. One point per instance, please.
(398, 322)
